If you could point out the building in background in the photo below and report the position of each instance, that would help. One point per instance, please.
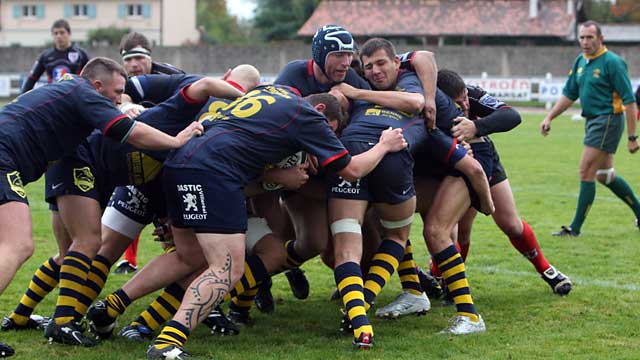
(164, 22)
(450, 22)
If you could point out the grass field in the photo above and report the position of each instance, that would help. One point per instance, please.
(598, 320)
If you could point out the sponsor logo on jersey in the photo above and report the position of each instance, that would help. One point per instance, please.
(15, 182)
(136, 203)
(193, 201)
(83, 179)
(347, 187)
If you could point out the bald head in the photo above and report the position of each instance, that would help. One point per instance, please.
(246, 75)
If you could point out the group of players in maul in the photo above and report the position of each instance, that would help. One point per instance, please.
(245, 180)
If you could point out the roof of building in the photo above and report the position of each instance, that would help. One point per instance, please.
(443, 18)
(621, 33)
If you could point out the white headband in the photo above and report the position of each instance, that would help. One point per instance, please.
(136, 51)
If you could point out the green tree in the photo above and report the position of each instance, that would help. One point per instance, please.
(281, 19)
(215, 24)
(107, 36)
(605, 11)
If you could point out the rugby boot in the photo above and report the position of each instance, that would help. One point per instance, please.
(136, 333)
(298, 283)
(264, 299)
(6, 350)
(240, 318)
(560, 284)
(35, 322)
(69, 333)
(100, 323)
(335, 296)
(430, 285)
(462, 325)
(566, 231)
(345, 324)
(124, 267)
(171, 352)
(220, 324)
(363, 342)
(405, 304)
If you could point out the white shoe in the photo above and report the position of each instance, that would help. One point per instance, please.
(462, 325)
(405, 304)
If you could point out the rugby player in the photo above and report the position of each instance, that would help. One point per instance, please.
(398, 103)
(65, 57)
(135, 50)
(485, 115)
(261, 128)
(81, 184)
(333, 48)
(42, 125)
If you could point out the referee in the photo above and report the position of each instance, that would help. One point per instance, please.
(601, 80)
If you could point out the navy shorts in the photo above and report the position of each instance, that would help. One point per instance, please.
(205, 202)
(391, 182)
(499, 174)
(140, 203)
(439, 154)
(483, 152)
(11, 185)
(73, 176)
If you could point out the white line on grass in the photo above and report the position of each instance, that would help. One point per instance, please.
(578, 281)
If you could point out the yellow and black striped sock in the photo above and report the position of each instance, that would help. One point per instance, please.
(254, 273)
(73, 274)
(93, 286)
(348, 277)
(243, 302)
(173, 333)
(42, 283)
(293, 259)
(408, 272)
(117, 303)
(162, 308)
(451, 265)
(382, 265)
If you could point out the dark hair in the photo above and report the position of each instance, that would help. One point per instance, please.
(593, 23)
(332, 106)
(374, 44)
(450, 83)
(133, 40)
(101, 68)
(61, 23)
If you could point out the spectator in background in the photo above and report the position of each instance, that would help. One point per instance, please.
(65, 57)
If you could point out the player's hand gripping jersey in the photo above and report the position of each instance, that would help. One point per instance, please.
(298, 74)
(368, 120)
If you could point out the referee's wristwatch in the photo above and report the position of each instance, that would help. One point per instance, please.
(632, 137)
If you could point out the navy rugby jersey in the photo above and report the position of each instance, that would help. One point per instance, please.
(368, 120)
(260, 128)
(299, 75)
(156, 88)
(446, 109)
(127, 165)
(164, 68)
(490, 114)
(56, 63)
(43, 124)
(209, 111)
